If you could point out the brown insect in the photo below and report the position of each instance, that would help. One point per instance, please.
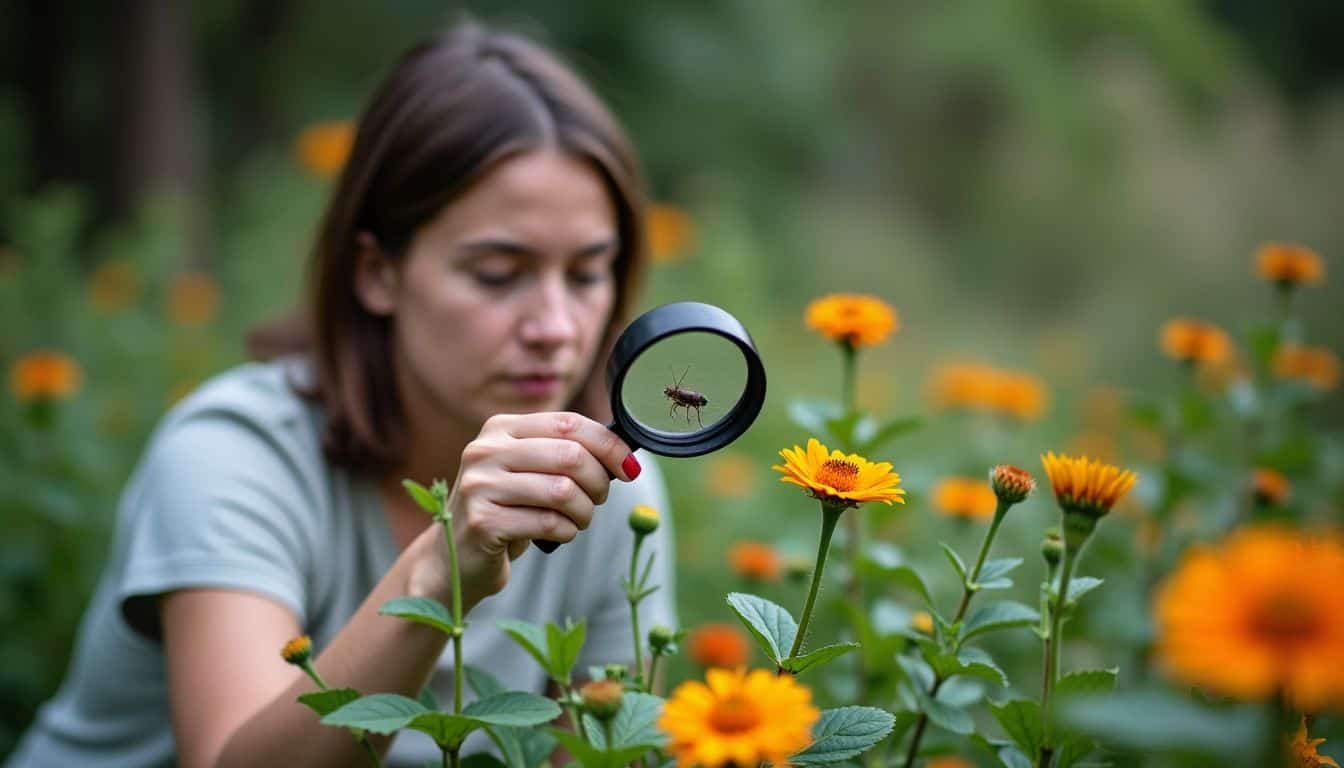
(685, 398)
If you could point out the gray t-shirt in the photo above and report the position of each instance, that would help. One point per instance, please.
(233, 491)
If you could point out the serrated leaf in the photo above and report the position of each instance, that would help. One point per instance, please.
(531, 637)
(843, 733)
(634, 725)
(994, 617)
(513, 708)
(1079, 586)
(945, 715)
(818, 656)
(563, 646)
(1087, 681)
(379, 713)
(955, 559)
(328, 701)
(998, 568)
(946, 665)
(1021, 720)
(771, 624)
(422, 610)
(448, 731)
(422, 496)
(482, 683)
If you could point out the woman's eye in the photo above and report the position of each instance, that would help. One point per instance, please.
(589, 276)
(495, 278)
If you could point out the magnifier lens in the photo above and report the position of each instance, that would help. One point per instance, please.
(685, 383)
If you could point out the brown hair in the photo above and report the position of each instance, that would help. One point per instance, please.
(450, 110)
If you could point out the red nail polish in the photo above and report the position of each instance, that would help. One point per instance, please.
(631, 467)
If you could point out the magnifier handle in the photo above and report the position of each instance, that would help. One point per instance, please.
(550, 546)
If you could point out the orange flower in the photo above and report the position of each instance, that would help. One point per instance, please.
(965, 497)
(45, 375)
(949, 761)
(755, 560)
(1011, 484)
(738, 718)
(840, 480)
(1302, 750)
(1258, 615)
(719, 645)
(671, 232)
(1019, 395)
(1194, 341)
(1318, 366)
(1086, 486)
(1288, 264)
(322, 148)
(297, 650)
(731, 476)
(193, 299)
(114, 285)
(976, 386)
(854, 319)
(1269, 487)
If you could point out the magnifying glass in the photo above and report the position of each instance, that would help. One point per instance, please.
(685, 379)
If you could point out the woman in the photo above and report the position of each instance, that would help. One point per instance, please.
(476, 260)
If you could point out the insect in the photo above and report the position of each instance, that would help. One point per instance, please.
(685, 398)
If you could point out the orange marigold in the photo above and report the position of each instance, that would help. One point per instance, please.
(671, 231)
(193, 299)
(1302, 750)
(1192, 341)
(854, 319)
(1258, 615)
(45, 375)
(1269, 487)
(1086, 486)
(736, 718)
(755, 560)
(965, 497)
(1288, 264)
(322, 148)
(719, 645)
(1318, 366)
(837, 479)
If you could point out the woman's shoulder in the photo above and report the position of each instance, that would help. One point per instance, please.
(268, 393)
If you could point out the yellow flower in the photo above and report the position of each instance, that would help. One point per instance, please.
(739, 718)
(297, 650)
(1195, 341)
(922, 622)
(853, 319)
(1288, 264)
(45, 375)
(965, 497)
(755, 560)
(1269, 487)
(1318, 366)
(193, 299)
(839, 480)
(670, 232)
(1086, 486)
(976, 386)
(1302, 750)
(1258, 615)
(322, 148)
(114, 285)
(719, 645)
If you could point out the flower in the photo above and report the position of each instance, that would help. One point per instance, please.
(731, 476)
(965, 497)
(602, 698)
(644, 520)
(719, 645)
(45, 375)
(1288, 264)
(739, 718)
(671, 231)
(1011, 484)
(755, 560)
(1086, 486)
(193, 299)
(1258, 615)
(298, 650)
(922, 622)
(1269, 487)
(976, 386)
(1020, 395)
(322, 148)
(114, 285)
(1318, 366)
(1302, 750)
(837, 479)
(853, 319)
(1195, 341)
(1052, 547)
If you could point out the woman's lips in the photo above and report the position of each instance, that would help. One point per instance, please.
(537, 386)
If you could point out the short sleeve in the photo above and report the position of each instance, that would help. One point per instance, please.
(218, 503)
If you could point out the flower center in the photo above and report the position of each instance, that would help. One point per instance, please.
(734, 715)
(839, 474)
(1285, 620)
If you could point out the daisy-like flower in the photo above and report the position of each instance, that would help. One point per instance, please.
(854, 319)
(1302, 750)
(1269, 487)
(1258, 615)
(322, 148)
(965, 497)
(755, 560)
(718, 645)
(1288, 264)
(1196, 342)
(1318, 366)
(45, 375)
(1085, 486)
(671, 231)
(739, 718)
(839, 480)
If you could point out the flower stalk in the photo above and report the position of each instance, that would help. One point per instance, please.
(830, 515)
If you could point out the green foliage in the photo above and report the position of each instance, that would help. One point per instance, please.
(772, 625)
(555, 648)
(844, 733)
(422, 610)
(633, 725)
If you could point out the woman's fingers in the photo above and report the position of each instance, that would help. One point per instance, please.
(501, 529)
(602, 443)
(554, 456)
(553, 493)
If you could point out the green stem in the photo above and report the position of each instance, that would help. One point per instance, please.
(923, 723)
(1054, 641)
(447, 519)
(450, 758)
(829, 517)
(967, 592)
(634, 613)
(307, 666)
(653, 667)
(369, 750)
(849, 393)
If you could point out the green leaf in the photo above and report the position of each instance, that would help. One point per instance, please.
(1021, 720)
(945, 715)
(531, 637)
(522, 747)
(513, 708)
(1087, 681)
(634, 725)
(1159, 720)
(563, 646)
(482, 683)
(955, 560)
(422, 610)
(812, 415)
(997, 568)
(448, 731)
(1012, 757)
(968, 664)
(591, 757)
(886, 433)
(422, 496)
(917, 672)
(818, 656)
(843, 733)
(771, 624)
(1072, 749)
(328, 701)
(428, 700)
(994, 617)
(1078, 586)
(379, 713)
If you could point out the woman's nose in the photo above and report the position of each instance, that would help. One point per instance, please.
(550, 314)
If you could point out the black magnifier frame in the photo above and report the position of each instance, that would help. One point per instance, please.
(647, 330)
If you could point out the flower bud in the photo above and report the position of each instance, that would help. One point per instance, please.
(1011, 484)
(662, 639)
(602, 698)
(643, 520)
(615, 671)
(1052, 547)
(298, 650)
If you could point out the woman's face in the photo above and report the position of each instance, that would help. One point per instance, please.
(502, 299)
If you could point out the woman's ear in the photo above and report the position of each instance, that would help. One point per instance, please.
(376, 280)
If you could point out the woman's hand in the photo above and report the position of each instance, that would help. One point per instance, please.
(524, 477)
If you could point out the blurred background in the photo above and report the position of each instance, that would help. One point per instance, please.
(1033, 185)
